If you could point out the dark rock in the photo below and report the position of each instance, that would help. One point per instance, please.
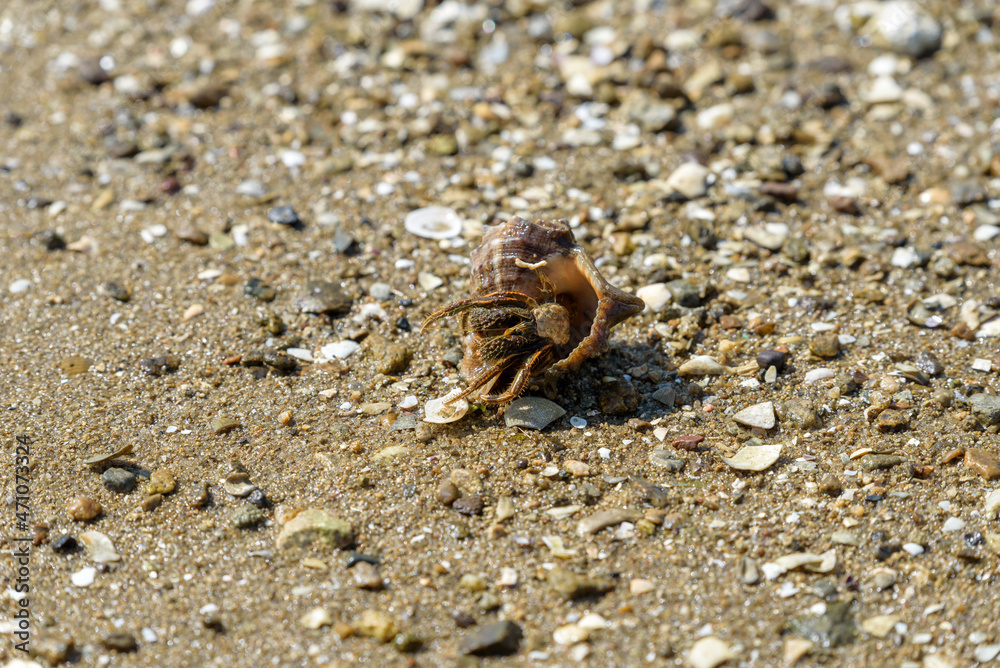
(120, 642)
(355, 558)
(116, 291)
(768, 358)
(280, 361)
(617, 397)
(119, 480)
(65, 544)
(50, 241)
(324, 297)
(255, 287)
(496, 639)
(685, 293)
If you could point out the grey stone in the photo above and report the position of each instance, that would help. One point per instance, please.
(119, 480)
(986, 408)
(498, 638)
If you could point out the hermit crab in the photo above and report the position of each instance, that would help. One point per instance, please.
(539, 305)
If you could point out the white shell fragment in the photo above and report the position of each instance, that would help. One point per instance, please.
(437, 411)
(701, 365)
(84, 577)
(532, 413)
(709, 652)
(433, 222)
(992, 509)
(754, 457)
(99, 547)
(758, 415)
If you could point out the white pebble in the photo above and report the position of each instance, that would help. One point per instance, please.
(429, 281)
(578, 422)
(980, 364)
(986, 653)
(409, 401)
(149, 635)
(433, 222)
(716, 117)
(689, 180)
(84, 577)
(340, 349)
(913, 548)
(815, 375)
(986, 232)
(300, 353)
(953, 524)
(19, 286)
(605, 453)
(656, 296)
(293, 159)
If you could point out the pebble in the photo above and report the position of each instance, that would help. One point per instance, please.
(247, 516)
(690, 180)
(759, 415)
(83, 509)
(986, 653)
(366, 576)
(99, 547)
(685, 293)
(323, 297)
(469, 505)
(283, 215)
(749, 573)
(119, 480)
(494, 639)
(340, 350)
(768, 358)
(433, 222)
(985, 463)
(985, 408)
(606, 518)
(573, 586)
(117, 292)
(816, 375)
(874, 462)
(991, 508)
(120, 642)
(315, 527)
(953, 524)
(825, 345)
(84, 577)
(75, 365)
(160, 365)
(570, 634)
(709, 652)
(19, 286)
(151, 502)
(388, 357)
(700, 365)
(161, 481)
(316, 618)
(902, 26)
(224, 425)
(655, 295)
(64, 544)
(715, 117)
(833, 628)
(447, 493)
(665, 459)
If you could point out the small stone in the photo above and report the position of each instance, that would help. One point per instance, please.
(709, 652)
(754, 457)
(161, 365)
(760, 416)
(376, 624)
(117, 292)
(665, 459)
(120, 642)
(617, 397)
(323, 297)
(469, 505)
(119, 480)
(255, 287)
(447, 493)
(985, 408)
(570, 634)
(902, 26)
(283, 215)
(366, 576)
(690, 180)
(388, 357)
(576, 468)
(161, 481)
(316, 618)
(825, 345)
(768, 358)
(99, 547)
(83, 509)
(834, 628)
(986, 464)
(700, 365)
(892, 419)
(407, 642)
(151, 502)
(749, 573)
(532, 413)
(991, 508)
(606, 518)
(573, 586)
(666, 396)
(800, 413)
(953, 524)
(874, 462)
(314, 526)
(192, 311)
(192, 235)
(495, 639)
(655, 295)
(64, 544)
(247, 516)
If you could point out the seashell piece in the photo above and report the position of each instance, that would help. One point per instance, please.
(538, 305)
(99, 459)
(433, 222)
(754, 457)
(238, 484)
(449, 408)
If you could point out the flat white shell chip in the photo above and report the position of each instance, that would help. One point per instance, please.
(433, 222)
(754, 457)
(532, 413)
(758, 415)
(99, 547)
(437, 411)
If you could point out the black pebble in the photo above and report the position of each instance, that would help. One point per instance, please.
(65, 544)
(355, 557)
(768, 358)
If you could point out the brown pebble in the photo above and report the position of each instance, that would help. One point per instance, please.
(161, 481)
(952, 455)
(982, 462)
(842, 204)
(192, 235)
(892, 420)
(730, 322)
(447, 493)
(83, 509)
(469, 505)
(151, 502)
(830, 485)
(576, 468)
(689, 442)
(366, 576)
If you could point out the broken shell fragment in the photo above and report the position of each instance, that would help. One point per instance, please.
(754, 457)
(238, 484)
(449, 408)
(100, 459)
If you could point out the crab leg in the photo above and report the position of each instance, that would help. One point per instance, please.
(497, 299)
(520, 380)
